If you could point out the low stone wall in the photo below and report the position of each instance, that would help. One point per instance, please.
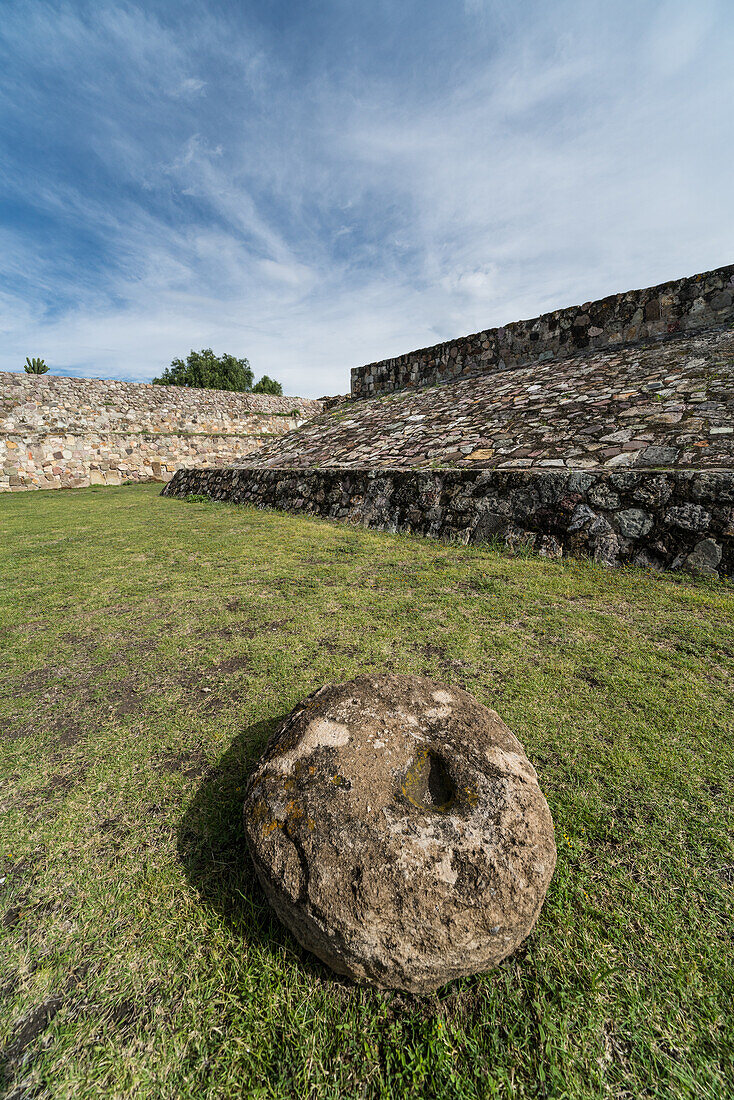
(70, 432)
(36, 402)
(666, 519)
(72, 461)
(697, 302)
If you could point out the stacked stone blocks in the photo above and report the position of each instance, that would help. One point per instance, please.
(644, 405)
(68, 432)
(655, 519)
(684, 305)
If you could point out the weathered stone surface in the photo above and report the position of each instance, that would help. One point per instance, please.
(658, 456)
(691, 517)
(634, 522)
(602, 495)
(705, 559)
(399, 831)
(654, 491)
(518, 507)
(582, 515)
(631, 408)
(654, 313)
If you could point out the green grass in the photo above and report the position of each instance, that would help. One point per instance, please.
(149, 646)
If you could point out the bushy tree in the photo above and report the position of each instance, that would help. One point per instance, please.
(268, 385)
(205, 370)
(35, 366)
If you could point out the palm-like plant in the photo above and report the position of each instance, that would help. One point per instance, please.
(35, 366)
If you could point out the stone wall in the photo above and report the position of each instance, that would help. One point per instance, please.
(665, 404)
(684, 305)
(69, 432)
(673, 519)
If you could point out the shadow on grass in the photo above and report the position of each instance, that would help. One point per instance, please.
(214, 855)
(211, 838)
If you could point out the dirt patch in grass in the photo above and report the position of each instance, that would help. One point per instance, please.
(68, 732)
(113, 825)
(46, 799)
(78, 641)
(25, 867)
(141, 646)
(14, 730)
(124, 698)
(13, 914)
(28, 1030)
(128, 1015)
(231, 665)
(199, 689)
(27, 909)
(335, 648)
(455, 669)
(220, 632)
(36, 679)
(242, 630)
(191, 764)
(262, 628)
(64, 731)
(15, 1054)
(60, 784)
(9, 988)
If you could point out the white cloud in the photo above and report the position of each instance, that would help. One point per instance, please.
(191, 85)
(343, 218)
(678, 34)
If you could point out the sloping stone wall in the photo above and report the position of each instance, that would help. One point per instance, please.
(682, 305)
(671, 519)
(663, 404)
(68, 432)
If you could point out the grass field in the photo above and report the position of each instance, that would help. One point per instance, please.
(149, 646)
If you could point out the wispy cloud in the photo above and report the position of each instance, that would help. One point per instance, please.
(316, 190)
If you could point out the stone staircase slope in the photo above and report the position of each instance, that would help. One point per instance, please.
(668, 404)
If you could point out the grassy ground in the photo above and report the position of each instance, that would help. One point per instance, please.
(148, 648)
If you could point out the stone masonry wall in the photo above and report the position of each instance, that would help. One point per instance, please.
(672, 519)
(662, 404)
(684, 305)
(68, 432)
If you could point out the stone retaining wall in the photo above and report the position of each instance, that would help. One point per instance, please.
(657, 519)
(69, 432)
(700, 301)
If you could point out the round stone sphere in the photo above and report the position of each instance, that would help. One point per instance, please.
(399, 832)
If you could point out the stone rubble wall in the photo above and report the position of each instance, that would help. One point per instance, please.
(69, 432)
(683, 305)
(663, 404)
(681, 519)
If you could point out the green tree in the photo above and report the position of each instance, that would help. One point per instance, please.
(35, 366)
(268, 385)
(205, 370)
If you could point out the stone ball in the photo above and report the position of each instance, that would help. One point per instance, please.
(399, 832)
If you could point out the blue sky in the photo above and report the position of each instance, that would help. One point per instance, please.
(316, 185)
